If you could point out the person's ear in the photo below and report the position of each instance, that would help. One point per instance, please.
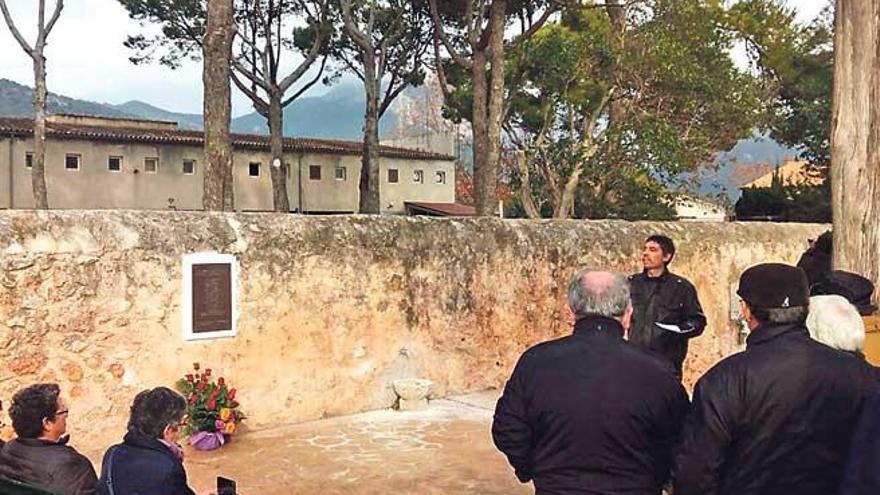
(667, 258)
(626, 321)
(168, 433)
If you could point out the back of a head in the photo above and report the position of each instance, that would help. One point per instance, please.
(836, 323)
(30, 406)
(775, 293)
(154, 410)
(595, 292)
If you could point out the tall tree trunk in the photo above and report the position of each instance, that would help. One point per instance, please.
(217, 52)
(38, 172)
(483, 171)
(855, 138)
(617, 15)
(487, 200)
(369, 183)
(525, 189)
(280, 200)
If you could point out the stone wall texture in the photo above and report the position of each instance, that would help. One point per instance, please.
(332, 309)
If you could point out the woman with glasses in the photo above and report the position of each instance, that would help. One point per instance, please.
(40, 455)
(149, 461)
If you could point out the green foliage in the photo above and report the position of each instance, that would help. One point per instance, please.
(786, 203)
(182, 24)
(676, 99)
(211, 405)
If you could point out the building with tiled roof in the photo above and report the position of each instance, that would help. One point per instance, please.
(99, 162)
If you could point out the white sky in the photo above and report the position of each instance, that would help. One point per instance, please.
(86, 58)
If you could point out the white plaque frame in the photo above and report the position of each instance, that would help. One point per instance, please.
(186, 308)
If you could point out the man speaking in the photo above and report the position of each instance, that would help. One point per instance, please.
(666, 310)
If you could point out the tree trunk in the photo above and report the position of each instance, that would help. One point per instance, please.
(480, 127)
(280, 200)
(617, 15)
(525, 189)
(38, 172)
(217, 52)
(369, 183)
(855, 138)
(487, 200)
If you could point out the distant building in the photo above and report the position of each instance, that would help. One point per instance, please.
(689, 208)
(791, 173)
(107, 163)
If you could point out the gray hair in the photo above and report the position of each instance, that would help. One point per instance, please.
(836, 323)
(598, 292)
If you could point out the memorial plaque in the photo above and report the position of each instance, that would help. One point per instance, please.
(211, 297)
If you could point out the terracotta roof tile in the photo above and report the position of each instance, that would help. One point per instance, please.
(15, 126)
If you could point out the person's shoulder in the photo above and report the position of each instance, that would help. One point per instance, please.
(655, 364)
(74, 458)
(549, 346)
(725, 370)
(679, 280)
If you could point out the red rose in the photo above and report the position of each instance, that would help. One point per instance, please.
(208, 372)
(193, 398)
(211, 404)
(231, 394)
(202, 386)
(221, 381)
(233, 404)
(190, 378)
(196, 366)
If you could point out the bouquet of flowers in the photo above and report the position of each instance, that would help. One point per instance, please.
(212, 411)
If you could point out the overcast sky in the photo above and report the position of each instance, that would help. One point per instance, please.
(86, 58)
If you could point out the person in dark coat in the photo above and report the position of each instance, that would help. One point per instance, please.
(148, 461)
(40, 455)
(861, 476)
(666, 309)
(777, 418)
(591, 413)
(816, 260)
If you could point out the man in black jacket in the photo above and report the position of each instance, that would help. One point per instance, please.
(591, 413)
(40, 455)
(777, 418)
(666, 310)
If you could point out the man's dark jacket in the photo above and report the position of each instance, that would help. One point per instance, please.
(862, 475)
(49, 465)
(590, 414)
(142, 465)
(775, 419)
(668, 299)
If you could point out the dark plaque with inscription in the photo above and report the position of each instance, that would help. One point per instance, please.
(211, 297)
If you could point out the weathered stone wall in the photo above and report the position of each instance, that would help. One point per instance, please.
(331, 308)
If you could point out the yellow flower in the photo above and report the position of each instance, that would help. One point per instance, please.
(225, 414)
(230, 428)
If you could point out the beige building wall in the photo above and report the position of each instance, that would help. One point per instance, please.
(5, 170)
(94, 186)
(408, 189)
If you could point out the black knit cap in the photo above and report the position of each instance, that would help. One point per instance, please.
(774, 285)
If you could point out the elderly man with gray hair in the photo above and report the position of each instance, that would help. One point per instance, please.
(835, 322)
(591, 413)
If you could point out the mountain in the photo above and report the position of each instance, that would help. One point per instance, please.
(338, 114)
(141, 110)
(17, 100)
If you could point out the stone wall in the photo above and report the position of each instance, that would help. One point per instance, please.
(332, 309)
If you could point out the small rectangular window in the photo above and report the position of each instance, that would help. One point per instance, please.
(418, 176)
(392, 176)
(287, 169)
(151, 165)
(114, 163)
(28, 160)
(189, 167)
(340, 173)
(254, 169)
(441, 177)
(314, 172)
(71, 161)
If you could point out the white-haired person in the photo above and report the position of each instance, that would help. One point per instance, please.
(835, 322)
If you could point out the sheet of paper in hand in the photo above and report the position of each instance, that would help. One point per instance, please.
(672, 328)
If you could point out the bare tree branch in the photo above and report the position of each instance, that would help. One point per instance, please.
(308, 85)
(14, 30)
(59, 5)
(438, 32)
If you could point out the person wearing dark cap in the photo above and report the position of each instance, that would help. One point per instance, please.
(816, 260)
(855, 288)
(666, 309)
(778, 417)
